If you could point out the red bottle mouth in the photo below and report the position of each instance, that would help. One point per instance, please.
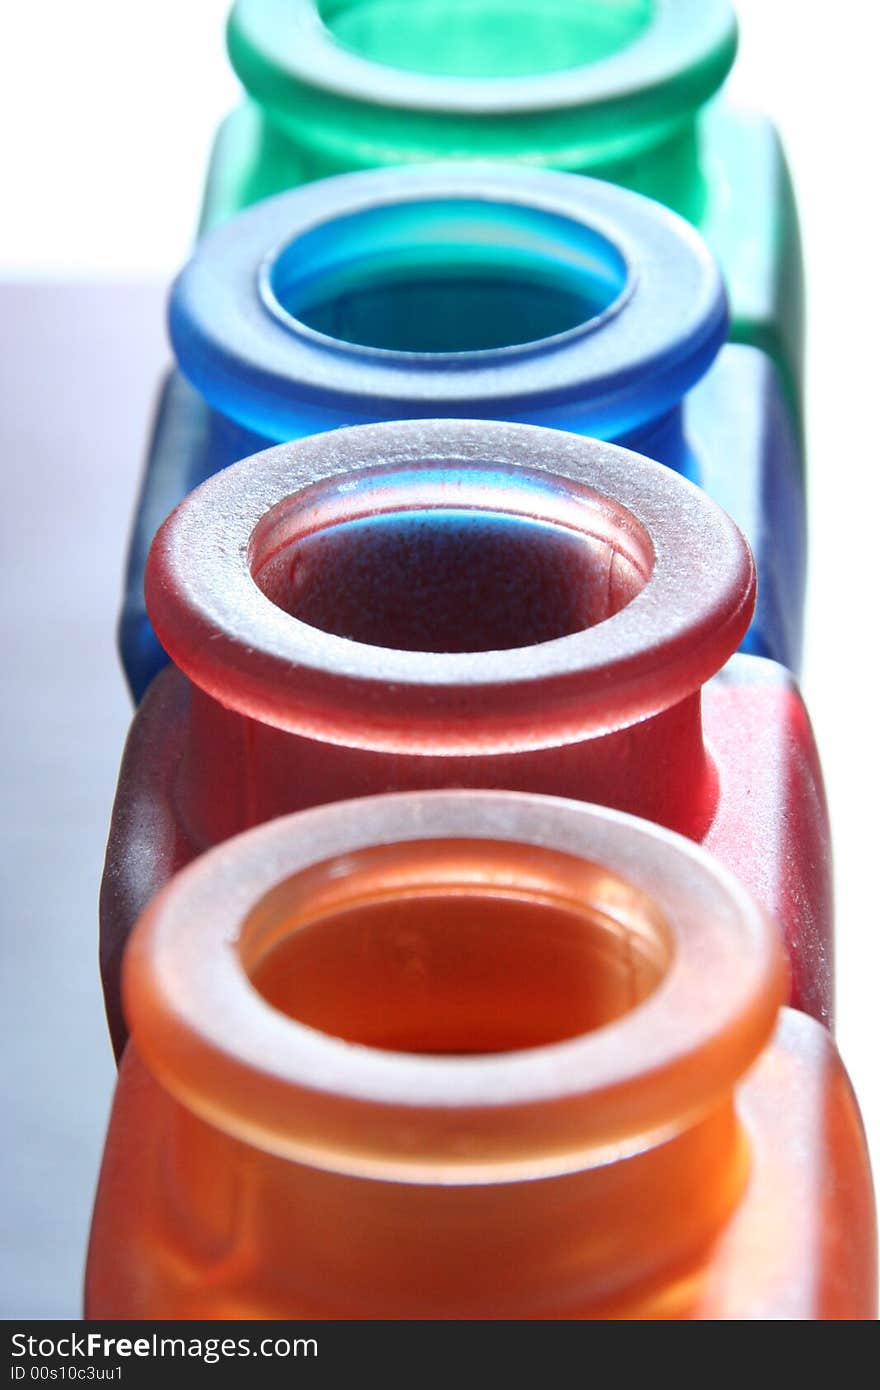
(590, 589)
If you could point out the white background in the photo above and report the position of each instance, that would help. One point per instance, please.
(106, 113)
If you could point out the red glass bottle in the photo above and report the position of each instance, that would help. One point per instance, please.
(571, 1094)
(453, 603)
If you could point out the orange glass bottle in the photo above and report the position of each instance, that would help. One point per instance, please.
(473, 1055)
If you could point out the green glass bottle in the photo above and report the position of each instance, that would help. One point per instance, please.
(621, 89)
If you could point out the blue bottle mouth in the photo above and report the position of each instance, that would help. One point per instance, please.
(487, 291)
(448, 276)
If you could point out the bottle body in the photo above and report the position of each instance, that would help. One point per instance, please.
(374, 297)
(616, 1124)
(168, 1249)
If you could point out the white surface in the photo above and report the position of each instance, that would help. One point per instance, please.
(78, 375)
(108, 110)
(106, 137)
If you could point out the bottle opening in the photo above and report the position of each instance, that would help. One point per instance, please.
(299, 535)
(433, 578)
(447, 276)
(455, 947)
(428, 986)
(485, 38)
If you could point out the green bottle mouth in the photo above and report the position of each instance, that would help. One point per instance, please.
(364, 82)
(484, 38)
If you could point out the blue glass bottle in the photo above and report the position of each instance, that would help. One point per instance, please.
(469, 291)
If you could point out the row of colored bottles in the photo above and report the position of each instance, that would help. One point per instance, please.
(466, 931)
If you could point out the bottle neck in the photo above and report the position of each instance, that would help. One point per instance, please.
(660, 160)
(613, 1238)
(240, 772)
(667, 169)
(661, 438)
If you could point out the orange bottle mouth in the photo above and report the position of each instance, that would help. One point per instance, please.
(417, 988)
(456, 947)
